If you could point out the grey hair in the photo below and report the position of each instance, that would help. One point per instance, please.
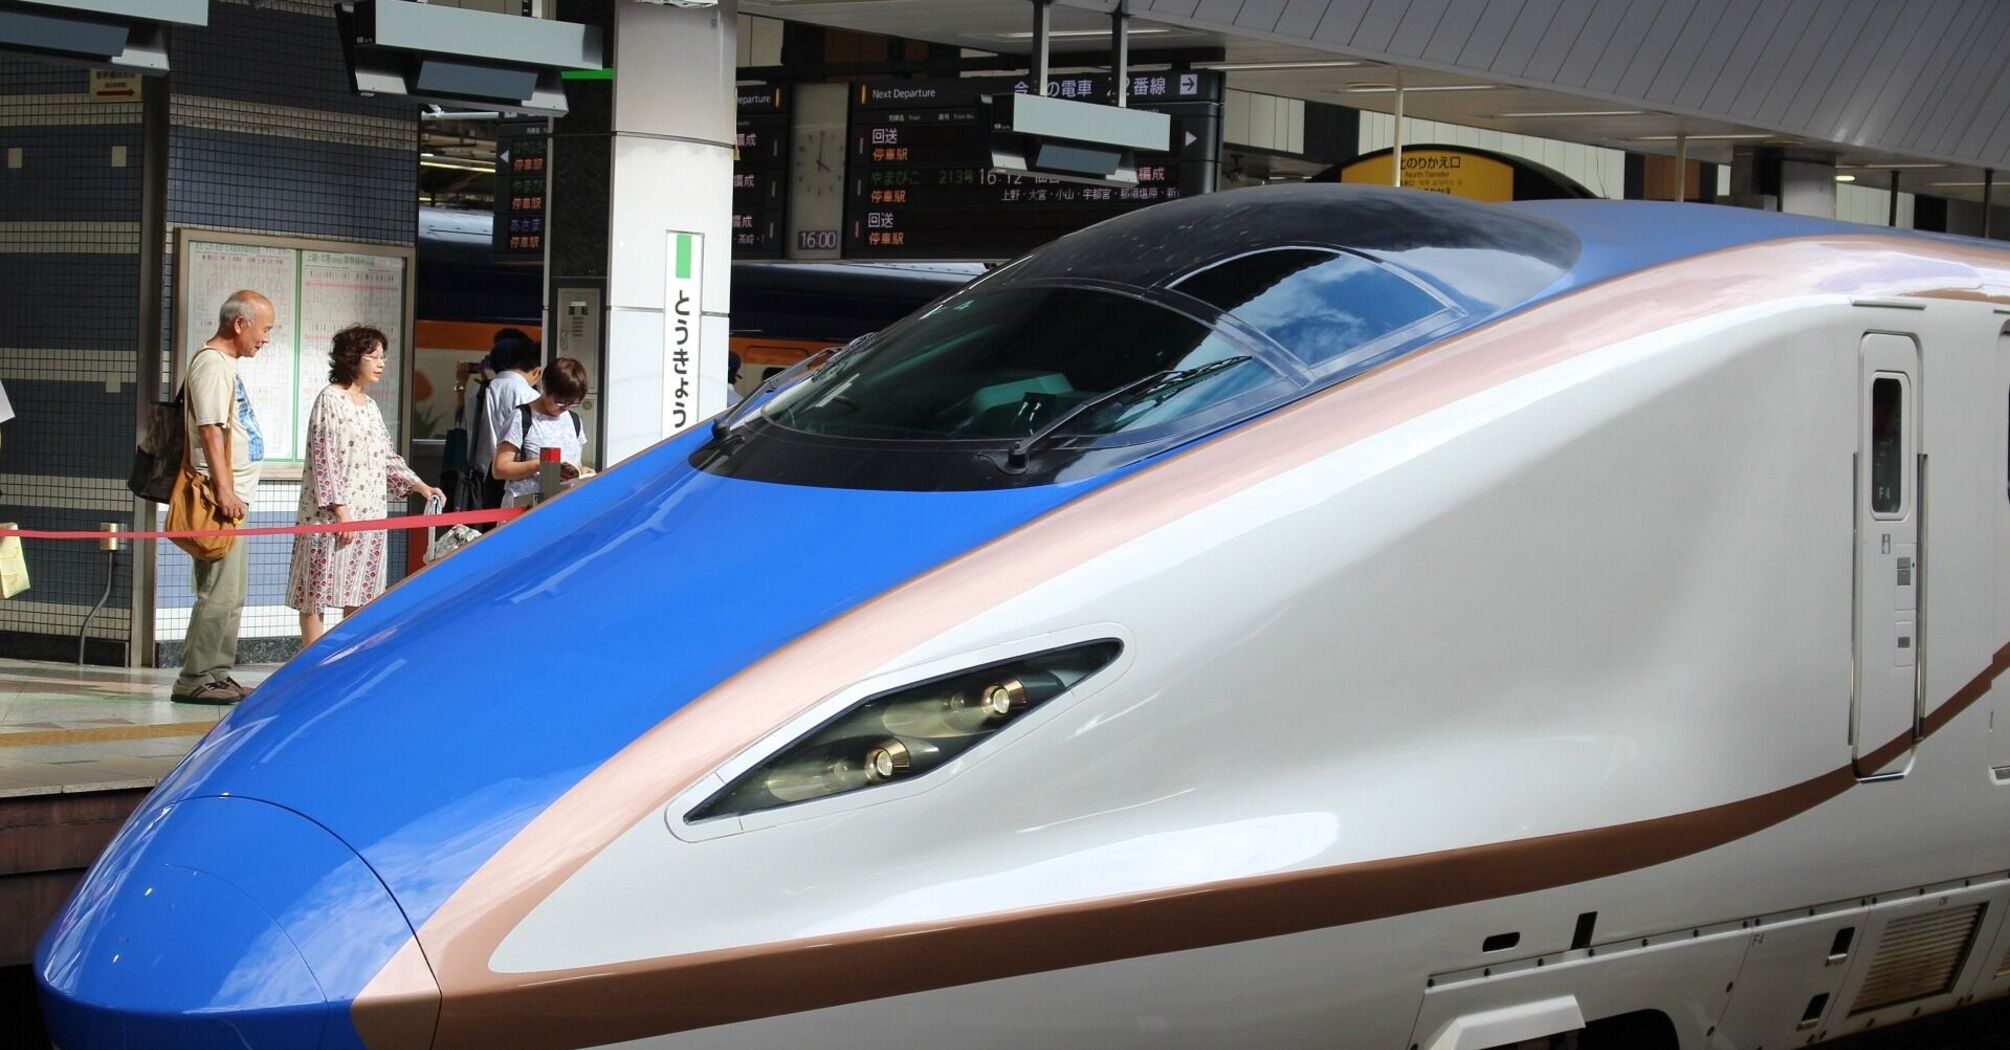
(241, 306)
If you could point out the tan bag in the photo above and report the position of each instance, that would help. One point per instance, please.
(193, 506)
(13, 565)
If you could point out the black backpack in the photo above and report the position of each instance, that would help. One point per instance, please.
(161, 450)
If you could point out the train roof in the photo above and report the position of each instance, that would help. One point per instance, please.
(1491, 257)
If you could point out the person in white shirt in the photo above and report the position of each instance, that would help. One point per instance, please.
(547, 422)
(515, 385)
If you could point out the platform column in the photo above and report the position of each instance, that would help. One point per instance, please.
(1776, 178)
(670, 214)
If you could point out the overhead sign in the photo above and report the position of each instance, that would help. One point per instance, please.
(523, 148)
(917, 160)
(760, 173)
(1454, 172)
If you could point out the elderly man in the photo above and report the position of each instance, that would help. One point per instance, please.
(222, 430)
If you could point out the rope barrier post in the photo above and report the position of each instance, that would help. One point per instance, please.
(548, 480)
(110, 545)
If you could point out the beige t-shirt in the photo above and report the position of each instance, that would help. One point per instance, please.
(212, 400)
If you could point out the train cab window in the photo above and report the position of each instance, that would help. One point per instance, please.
(1327, 307)
(1887, 445)
(1008, 364)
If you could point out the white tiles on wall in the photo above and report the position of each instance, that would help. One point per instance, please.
(1856, 202)
(1261, 121)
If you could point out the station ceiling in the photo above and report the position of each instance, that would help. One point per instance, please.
(1914, 86)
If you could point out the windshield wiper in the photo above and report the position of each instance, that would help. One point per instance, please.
(724, 423)
(1158, 385)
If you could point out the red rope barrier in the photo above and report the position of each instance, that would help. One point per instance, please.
(422, 521)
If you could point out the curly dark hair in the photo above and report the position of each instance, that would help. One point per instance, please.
(345, 358)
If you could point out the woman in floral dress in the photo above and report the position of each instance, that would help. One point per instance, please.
(350, 466)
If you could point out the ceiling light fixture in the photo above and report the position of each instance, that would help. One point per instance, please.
(1390, 89)
(1840, 177)
(1251, 67)
(1069, 34)
(443, 166)
(1704, 138)
(1572, 113)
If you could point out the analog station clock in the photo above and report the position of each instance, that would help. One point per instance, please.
(818, 168)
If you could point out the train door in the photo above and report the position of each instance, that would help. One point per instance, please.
(1999, 718)
(1888, 580)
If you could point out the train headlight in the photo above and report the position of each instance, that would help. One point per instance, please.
(906, 733)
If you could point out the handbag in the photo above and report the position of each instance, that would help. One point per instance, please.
(13, 565)
(440, 544)
(192, 505)
(155, 462)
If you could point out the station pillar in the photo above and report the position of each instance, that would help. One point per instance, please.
(1777, 178)
(668, 216)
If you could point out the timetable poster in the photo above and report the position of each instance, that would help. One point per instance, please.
(212, 273)
(339, 289)
(315, 293)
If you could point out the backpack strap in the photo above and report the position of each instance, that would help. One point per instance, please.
(578, 428)
(481, 419)
(523, 411)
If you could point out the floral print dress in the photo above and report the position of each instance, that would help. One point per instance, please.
(349, 461)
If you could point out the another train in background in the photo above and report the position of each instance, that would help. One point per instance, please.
(782, 312)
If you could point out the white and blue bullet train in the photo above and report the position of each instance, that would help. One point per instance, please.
(1301, 617)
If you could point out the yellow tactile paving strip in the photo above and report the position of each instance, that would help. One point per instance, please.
(44, 737)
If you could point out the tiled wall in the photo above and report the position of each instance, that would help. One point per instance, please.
(69, 334)
(268, 138)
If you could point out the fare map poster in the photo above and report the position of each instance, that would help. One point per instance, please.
(315, 293)
(917, 184)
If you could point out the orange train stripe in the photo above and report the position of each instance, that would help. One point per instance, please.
(474, 336)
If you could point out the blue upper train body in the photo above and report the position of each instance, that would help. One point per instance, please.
(276, 871)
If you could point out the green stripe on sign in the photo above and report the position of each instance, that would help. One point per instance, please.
(683, 256)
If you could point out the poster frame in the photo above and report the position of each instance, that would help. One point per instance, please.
(284, 470)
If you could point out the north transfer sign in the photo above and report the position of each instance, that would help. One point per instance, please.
(1454, 172)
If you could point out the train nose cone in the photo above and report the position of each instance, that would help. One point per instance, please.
(223, 922)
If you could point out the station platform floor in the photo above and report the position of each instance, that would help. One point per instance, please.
(67, 729)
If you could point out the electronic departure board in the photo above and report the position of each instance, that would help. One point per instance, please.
(761, 174)
(522, 150)
(916, 178)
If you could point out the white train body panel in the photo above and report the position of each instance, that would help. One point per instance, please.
(1626, 655)
(1646, 565)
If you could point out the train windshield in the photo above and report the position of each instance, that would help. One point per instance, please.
(1025, 362)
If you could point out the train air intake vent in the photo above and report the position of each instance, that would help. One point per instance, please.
(1918, 957)
(2003, 970)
